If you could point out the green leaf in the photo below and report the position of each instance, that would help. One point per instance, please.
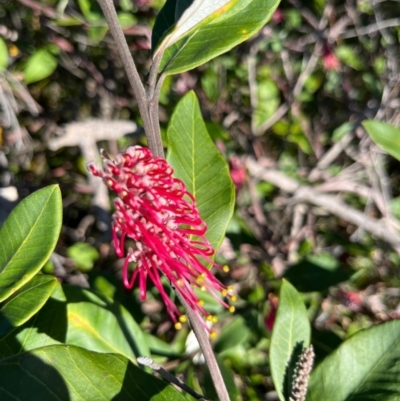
(348, 56)
(290, 335)
(127, 20)
(28, 300)
(28, 237)
(234, 333)
(267, 103)
(84, 255)
(178, 17)
(91, 10)
(85, 320)
(364, 367)
(3, 54)
(385, 136)
(61, 6)
(194, 32)
(99, 325)
(47, 327)
(39, 66)
(97, 33)
(61, 372)
(200, 166)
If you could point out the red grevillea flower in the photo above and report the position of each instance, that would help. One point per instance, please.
(155, 210)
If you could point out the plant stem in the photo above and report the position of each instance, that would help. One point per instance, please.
(153, 114)
(151, 127)
(205, 346)
(148, 108)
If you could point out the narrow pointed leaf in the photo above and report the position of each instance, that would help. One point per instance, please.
(28, 237)
(198, 163)
(26, 302)
(290, 335)
(385, 136)
(222, 29)
(69, 373)
(364, 367)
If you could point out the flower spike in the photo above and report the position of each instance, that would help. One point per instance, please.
(155, 210)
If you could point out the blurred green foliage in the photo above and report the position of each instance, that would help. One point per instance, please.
(58, 55)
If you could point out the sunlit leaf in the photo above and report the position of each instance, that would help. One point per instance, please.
(347, 55)
(178, 17)
(192, 38)
(39, 66)
(47, 327)
(127, 20)
(3, 54)
(102, 326)
(290, 335)
(91, 10)
(28, 237)
(385, 136)
(63, 372)
(84, 255)
(365, 367)
(198, 163)
(267, 101)
(26, 302)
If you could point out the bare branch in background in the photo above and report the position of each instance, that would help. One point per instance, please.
(332, 204)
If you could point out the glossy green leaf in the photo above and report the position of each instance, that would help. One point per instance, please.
(28, 237)
(99, 325)
(290, 335)
(79, 317)
(208, 33)
(47, 327)
(178, 17)
(198, 163)
(365, 367)
(39, 66)
(3, 54)
(69, 373)
(20, 307)
(385, 136)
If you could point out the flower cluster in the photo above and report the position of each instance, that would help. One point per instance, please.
(155, 210)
